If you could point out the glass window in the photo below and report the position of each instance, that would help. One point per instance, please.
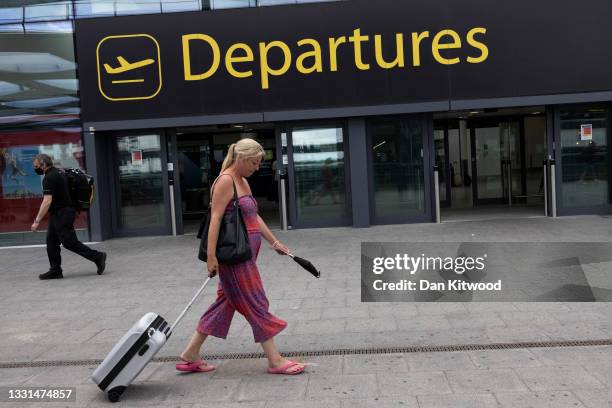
(11, 28)
(38, 83)
(169, 6)
(93, 8)
(318, 163)
(489, 162)
(38, 90)
(49, 27)
(397, 157)
(21, 188)
(535, 151)
(584, 150)
(274, 2)
(59, 10)
(140, 181)
(128, 7)
(11, 15)
(196, 176)
(224, 4)
(101, 8)
(278, 2)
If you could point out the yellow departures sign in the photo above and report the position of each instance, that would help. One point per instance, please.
(310, 58)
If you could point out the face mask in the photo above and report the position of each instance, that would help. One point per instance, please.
(39, 171)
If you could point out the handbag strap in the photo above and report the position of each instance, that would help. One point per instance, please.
(237, 213)
(212, 188)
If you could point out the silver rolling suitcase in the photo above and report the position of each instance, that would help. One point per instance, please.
(134, 351)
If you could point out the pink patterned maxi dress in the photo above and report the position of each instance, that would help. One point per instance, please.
(240, 289)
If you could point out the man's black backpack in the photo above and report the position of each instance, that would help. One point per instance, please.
(81, 188)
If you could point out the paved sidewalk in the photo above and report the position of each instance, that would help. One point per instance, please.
(548, 377)
(83, 315)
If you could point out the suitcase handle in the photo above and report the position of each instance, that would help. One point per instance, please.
(178, 319)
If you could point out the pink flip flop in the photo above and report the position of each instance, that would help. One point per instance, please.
(195, 367)
(284, 369)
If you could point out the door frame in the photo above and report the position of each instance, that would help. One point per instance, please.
(582, 210)
(476, 122)
(445, 125)
(427, 134)
(293, 220)
(207, 138)
(115, 190)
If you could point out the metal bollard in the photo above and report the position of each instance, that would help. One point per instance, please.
(437, 194)
(553, 190)
(545, 164)
(172, 210)
(509, 174)
(283, 204)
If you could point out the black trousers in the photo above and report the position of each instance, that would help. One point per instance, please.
(61, 231)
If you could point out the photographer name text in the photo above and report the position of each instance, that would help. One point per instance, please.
(423, 284)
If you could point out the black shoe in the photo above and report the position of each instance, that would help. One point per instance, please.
(101, 262)
(51, 275)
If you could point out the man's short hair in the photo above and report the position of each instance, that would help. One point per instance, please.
(44, 159)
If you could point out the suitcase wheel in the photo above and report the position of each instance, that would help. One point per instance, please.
(115, 394)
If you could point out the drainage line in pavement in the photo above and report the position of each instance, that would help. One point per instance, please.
(338, 352)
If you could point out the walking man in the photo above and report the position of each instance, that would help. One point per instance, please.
(56, 201)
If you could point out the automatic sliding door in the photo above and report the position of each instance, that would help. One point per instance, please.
(398, 169)
(194, 161)
(510, 139)
(141, 185)
(318, 177)
(488, 164)
(497, 162)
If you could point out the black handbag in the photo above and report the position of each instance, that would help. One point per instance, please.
(233, 245)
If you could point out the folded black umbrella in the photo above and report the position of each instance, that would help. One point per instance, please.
(306, 265)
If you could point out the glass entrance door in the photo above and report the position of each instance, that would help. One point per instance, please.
(317, 177)
(496, 162)
(141, 185)
(196, 175)
(441, 160)
(511, 152)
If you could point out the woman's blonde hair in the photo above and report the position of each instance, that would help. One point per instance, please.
(242, 149)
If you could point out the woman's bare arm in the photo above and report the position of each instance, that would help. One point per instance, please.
(265, 231)
(269, 236)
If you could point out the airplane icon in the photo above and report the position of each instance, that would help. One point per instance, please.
(128, 77)
(125, 66)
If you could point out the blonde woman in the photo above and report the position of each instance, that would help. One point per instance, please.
(240, 287)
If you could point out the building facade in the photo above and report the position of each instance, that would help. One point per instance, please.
(369, 112)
